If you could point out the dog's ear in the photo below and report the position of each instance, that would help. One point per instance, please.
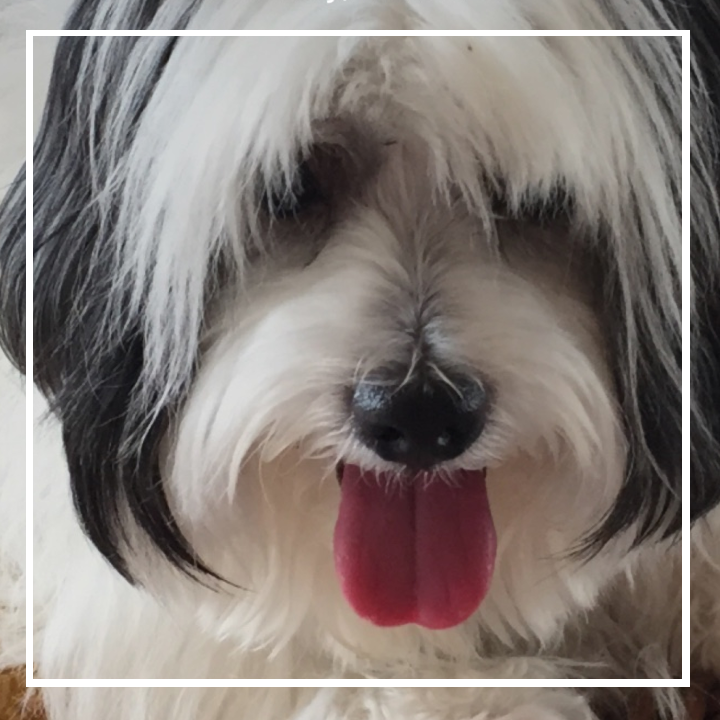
(645, 338)
(644, 351)
(705, 264)
(88, 357)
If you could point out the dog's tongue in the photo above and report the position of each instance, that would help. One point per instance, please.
(414, 552)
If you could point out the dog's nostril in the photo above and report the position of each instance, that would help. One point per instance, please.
(388, 434)
(420, 423)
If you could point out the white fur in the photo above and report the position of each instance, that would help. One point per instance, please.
(249, 462)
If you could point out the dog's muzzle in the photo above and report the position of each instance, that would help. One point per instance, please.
(417, 545)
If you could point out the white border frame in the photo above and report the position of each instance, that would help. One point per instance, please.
(684, 682)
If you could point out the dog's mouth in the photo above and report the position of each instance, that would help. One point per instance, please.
(418, 549)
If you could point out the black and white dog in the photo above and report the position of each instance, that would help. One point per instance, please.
(363, 356)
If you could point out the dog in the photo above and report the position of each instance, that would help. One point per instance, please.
(362, 359)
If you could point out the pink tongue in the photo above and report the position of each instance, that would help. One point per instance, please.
(414, 552)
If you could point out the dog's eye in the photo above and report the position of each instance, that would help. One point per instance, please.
(292, 201)
(531, 207)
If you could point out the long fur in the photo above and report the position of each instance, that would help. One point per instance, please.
(508, 206)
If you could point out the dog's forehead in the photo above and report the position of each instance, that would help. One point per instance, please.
(426, 83)
(530, 107)
(229, 115)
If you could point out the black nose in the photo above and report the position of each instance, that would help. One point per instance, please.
(422, 422)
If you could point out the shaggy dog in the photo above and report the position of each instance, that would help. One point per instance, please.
(362, 357)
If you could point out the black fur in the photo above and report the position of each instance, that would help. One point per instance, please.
(90, 376)
(650, 496)
(653, 484)
(703, 20)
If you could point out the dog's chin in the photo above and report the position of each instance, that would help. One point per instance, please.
(373, 563)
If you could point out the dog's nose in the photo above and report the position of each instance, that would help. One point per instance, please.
(422, 422)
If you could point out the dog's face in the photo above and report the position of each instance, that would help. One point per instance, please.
(405, 392)
(379, 329)
(418, 340)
